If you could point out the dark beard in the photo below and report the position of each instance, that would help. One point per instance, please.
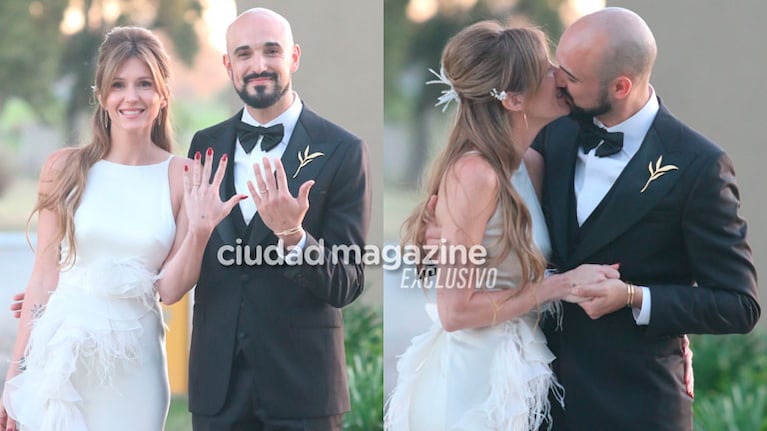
(262, 99)
(587, 114)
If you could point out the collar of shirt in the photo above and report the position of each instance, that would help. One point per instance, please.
(635, 128)
(289, 118)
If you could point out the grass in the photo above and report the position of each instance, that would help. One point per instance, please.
(179, 418)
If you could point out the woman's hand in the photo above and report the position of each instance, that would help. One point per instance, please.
(202, 201)
(584, 275)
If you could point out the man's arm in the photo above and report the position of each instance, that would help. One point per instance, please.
(345, 222)
(725, 299)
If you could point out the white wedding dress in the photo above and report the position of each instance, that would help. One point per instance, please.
(96, 356)
(489, 379)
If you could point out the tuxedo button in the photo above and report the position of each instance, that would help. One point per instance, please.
(241, 335)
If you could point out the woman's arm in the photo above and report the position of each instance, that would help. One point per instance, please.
(468, 198)
(201, 209)
(45, 271)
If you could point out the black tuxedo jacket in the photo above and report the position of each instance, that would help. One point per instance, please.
(682, 237)
(286, 319)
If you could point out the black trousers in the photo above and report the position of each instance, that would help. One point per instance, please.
(241, 412)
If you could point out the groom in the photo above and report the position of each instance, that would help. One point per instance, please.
(633, 184)
(267, 347)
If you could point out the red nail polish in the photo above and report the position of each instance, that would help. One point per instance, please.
(197, 155)
(224, 158)
(186, 168)
(210, 152)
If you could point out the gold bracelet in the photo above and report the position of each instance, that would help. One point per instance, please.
(629, 294)
(290, 231)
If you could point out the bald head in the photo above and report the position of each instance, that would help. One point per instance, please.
(621, 41)
(260, 59)
(259, 17)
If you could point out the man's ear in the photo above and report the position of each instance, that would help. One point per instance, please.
(295, 58)
(622, 86)
(227, 65)
(513, 101)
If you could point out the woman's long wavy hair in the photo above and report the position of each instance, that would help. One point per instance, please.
(120, 44)
(480, 58)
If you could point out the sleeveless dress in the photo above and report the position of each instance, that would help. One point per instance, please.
(488, 379)
(96, 356)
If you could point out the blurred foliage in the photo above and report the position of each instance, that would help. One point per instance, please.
(6, 175)
(411, 48)
(30, 52)
(39, 63)
(730, 382)
(363, 327)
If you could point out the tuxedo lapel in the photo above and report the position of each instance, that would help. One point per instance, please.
(625, 203)
(232, 226)
(305, 156)
(559, 199)
(563, 205)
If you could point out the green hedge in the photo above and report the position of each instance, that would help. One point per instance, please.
(363, 325)
(730, 382)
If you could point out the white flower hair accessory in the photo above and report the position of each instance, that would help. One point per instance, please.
(498, 95)
(449, 94)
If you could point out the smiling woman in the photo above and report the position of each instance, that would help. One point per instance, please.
(133, 101)
(113, 214)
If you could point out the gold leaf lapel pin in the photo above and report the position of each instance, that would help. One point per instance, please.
(306, 158)
(658, 172)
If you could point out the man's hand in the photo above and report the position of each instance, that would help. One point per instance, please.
(279, 210)
(6, 422)
(588, 274)
(18, 301)
(606, 297)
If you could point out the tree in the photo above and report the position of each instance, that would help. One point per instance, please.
(412, 48)
(36, 56)
(30, 52)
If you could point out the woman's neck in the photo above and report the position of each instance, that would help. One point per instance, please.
(133, 148)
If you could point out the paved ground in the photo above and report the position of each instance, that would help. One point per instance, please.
(404, 317)
(16, 260)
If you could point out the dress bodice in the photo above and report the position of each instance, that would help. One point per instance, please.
(125, 213)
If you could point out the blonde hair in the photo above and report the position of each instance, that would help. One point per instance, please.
(480, 58)
(120, 44)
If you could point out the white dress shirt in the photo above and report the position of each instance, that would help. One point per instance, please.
(594, 176)
(243, 162)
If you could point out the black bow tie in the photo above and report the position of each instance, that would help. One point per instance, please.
(591, 135)
(248, 136)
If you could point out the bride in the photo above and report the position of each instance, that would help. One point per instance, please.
(484, 364)
(121, 224)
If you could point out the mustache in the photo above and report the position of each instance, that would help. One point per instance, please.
(270, 75)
